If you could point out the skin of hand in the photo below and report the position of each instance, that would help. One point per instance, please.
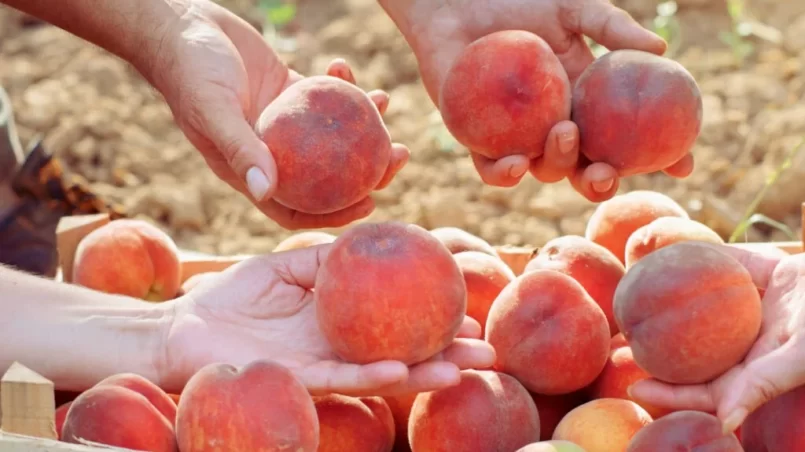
(439, 30)
(263, 308)
(774, 365)
(218, 74)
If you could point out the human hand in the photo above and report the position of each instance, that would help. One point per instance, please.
(438, 31)
(218, 74)
(263, 308)
(774, 365)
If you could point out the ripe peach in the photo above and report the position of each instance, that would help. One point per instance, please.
(329, 141)
(689, 312)
(346, 424)
(60, 416)
(777, 425)
(552, 446)
(400, 406)
(485, 277)
(603, 425)
(117, 416)
(592, 265)
(552, 408)
(686, 430)
(656, 96)
(615, 219)
(664, 231)
(129, 257)
(458, 240)
(507, 107)
(620, 372)
(137, 383)
(389, 291)
(304, 240)
(262, 407)
(548, 333)
(487, 410)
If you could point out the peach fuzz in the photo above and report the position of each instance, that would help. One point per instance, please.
(129, 257)
(548, 333)
(552, 446)
(686, 430)
(304, 240)
(777, 425)
(689, 312)
(603, 425)
(510, 106)
(458, 240)
(261, 407)
(592, 265)
(346, 424)
(400, 406)
(485, 277)
(615, 219)
(620, 372)
(329, 142)
(389, 291)
(637, 111)
(486, 410)
(117, 416)
(137, 383)
(552, 408)
(665, 231)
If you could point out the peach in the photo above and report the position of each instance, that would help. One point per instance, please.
(510, 106)
(400, 406)
(552, 408)
(615, 219)
(329, 142)
(382, 412)
(117, 416)
(686, 430)
(777, 425)
(592, 265)
(137, 383)
(389, 291)
(552, 446)
(664, 231)
(59, 416)
(689, 312)
(486, 410)
(129, 257)
(485, 277)
(458, 240)
(620, 372)
(655, 96)
(346, 424)
(603, 425)
(548, 333)
(304, 240)
(261, 407)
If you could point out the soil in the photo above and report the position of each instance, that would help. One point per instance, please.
(108, 125)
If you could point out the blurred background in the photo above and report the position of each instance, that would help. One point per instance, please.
(108, 126)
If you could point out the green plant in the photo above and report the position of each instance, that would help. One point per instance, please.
(276, 15)
(743, 28)
(666, 25)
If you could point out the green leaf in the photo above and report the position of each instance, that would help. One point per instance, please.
(282, 14)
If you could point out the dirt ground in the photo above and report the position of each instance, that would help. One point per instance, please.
(108, 125)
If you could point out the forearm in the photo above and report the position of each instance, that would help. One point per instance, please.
(74, 336)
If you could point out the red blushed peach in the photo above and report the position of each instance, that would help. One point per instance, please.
(777, 425)
(553, 408)
(552, 446)
(117, 416)
(382, 412)
(304, 240)
(637, 111)
(60, 416)
(615, 219)
(261, 408)
(485, 277)
(329, 142)
(686, 430)
(346, 424)
(507, 107)
(401, 410)
(458, 240)
(593, 266)
(548, 333)
(663, 232)
(487, 411)
(389, 291)
(148, 389)
(603, 425)
(689, 312)
(129, 257)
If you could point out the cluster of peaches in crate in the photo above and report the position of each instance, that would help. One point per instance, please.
(646, 293)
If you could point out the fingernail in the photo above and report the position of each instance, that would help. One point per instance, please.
(735, 419)
(566, 142)
(602, 185)
(517, 170)
(257, 182)
(629, 392)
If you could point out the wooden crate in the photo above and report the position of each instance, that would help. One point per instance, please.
(27, 403)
